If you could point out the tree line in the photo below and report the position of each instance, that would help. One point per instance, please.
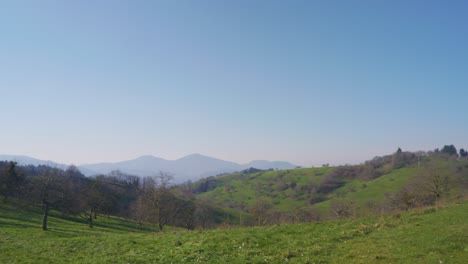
(145, 200)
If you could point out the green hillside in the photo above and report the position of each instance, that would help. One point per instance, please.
(364, 192)
(289, 189)
(284, 189)
(375, 189)
(364, 187)
(430, 235)
(393, 209)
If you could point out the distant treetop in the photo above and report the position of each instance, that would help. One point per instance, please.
(449, 150)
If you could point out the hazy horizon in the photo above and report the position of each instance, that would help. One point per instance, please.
(299, 81)
(136, 157)
(238, 162)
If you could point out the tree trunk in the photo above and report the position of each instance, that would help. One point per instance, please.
(46, 214)
(90, 219)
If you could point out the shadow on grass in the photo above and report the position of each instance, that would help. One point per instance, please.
(21, 220)
(18, 225)
(71, 233)
(20, 214)
(124, 226)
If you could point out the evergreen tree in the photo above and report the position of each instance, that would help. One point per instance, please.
(449, 150)
(463, 153)
(10, 181)
(397, 161)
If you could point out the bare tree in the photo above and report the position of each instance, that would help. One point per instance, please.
(435, 181)
(204, 214)
(405, 199)
(309, 214)
(342, 208)
(186, 215)
(432, 182)
(261, 211)
(91, 200)
(49, 189)
(160, 204)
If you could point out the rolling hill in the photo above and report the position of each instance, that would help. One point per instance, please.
(283, 189)
(317, 188)
(26, 160)
(191, 167)
(289, 200)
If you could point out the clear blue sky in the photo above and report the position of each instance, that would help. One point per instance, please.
(303, 81)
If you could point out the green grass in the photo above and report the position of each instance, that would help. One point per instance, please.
(242, 190)
(376, 189)
(422, 236)
(361, 192)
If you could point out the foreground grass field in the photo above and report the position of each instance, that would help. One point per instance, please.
(422, 236)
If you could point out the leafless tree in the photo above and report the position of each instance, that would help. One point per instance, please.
(261, 212)
(91, 200)
(204, 214)
(49, 190)
(342, 208)
(161, 206)
(435, 181)
(310, 214)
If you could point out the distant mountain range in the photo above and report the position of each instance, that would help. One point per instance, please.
(191, 167)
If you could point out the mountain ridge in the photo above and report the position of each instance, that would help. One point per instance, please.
(190, 167)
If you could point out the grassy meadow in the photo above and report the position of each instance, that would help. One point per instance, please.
(426, 235)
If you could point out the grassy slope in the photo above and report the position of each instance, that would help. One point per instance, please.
(377, 188)
(361, 192)
(245, 189)
(423, 236)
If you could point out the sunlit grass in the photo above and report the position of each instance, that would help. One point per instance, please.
(421, 236)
